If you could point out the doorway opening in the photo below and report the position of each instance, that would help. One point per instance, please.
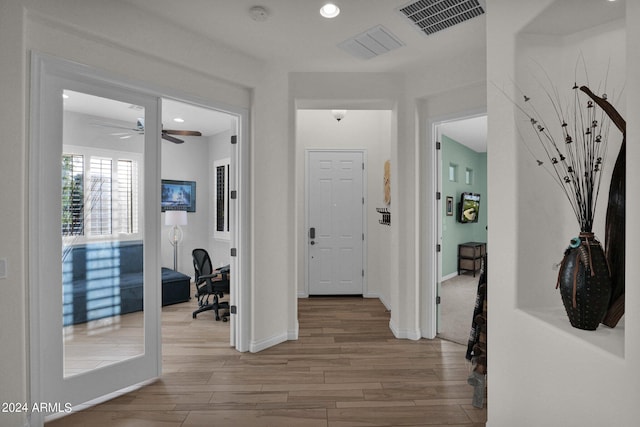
(367, 132)
(462, 222)
(201, 158)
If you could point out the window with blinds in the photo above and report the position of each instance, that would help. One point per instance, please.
(127, 197)
(221, 198)
(72, 195)
(99, 196)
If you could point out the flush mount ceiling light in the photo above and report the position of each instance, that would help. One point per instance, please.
(258, 13)
(329, 10)
(339, 114)
(178, 120)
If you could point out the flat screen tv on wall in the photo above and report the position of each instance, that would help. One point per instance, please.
(469, 207)
(178, 195)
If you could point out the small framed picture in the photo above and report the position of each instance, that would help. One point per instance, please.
(449, 206)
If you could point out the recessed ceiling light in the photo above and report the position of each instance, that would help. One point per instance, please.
(329, 10)
(178, 120)
(65, 96)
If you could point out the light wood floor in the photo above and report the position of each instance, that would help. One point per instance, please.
(102, 342)
(346, 369)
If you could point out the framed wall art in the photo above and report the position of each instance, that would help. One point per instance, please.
(178, 195)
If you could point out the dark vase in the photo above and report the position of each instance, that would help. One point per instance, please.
(585, 282)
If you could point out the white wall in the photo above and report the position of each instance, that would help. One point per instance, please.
(13, 289)
(543, 372)
(368, 130)
(187, 162)
(273, 289)
(193, 161)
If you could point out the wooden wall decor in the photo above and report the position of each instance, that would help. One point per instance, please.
(387, 182)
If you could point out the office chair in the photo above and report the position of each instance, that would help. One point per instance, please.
(210, 283)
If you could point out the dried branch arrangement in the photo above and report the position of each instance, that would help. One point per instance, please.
(575, 143)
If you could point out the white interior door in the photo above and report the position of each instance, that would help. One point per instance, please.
(335, 238)
(91, 334)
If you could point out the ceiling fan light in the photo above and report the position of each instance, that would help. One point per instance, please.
(329, 10)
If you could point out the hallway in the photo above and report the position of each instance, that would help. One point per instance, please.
(346, 368)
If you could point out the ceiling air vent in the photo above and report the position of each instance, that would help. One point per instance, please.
(371, 43)
(431, 16)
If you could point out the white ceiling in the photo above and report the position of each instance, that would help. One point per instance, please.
(587, 13)
(206, 121)
(295, 36)
(471, 132)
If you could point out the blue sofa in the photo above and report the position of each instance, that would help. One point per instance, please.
(104, 279)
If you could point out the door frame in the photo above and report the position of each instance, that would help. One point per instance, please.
(308, 152)
(44, 64)
(432, 256)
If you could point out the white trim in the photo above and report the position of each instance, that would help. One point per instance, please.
(257, 346)
(102, 399)
(449, 276)
(380, 297)
(241, 235)
(404, 333)
(293, 334)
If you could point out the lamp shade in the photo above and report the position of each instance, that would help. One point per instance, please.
(175, 218)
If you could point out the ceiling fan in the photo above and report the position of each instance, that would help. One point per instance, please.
(166, 133)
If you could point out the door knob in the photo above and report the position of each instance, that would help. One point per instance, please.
(313, 242)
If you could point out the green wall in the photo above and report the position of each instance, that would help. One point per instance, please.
(454, 232)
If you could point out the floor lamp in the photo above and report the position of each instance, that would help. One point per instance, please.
(175, 219)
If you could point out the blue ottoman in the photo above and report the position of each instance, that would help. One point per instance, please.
(176, 287)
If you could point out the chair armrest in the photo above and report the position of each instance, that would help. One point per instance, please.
(214, 277)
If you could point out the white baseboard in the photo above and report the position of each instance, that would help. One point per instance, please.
(257, 346)
(292, 335)
(449, 276)
(382, 299)
(406, 334)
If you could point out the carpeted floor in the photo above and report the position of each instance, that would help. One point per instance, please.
(457, 299)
